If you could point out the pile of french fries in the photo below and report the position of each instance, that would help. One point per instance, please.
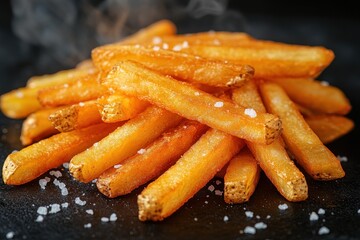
(179, 109)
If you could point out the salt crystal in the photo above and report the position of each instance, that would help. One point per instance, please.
(249, 230)
(342, 158)
(156, 48)
(56, 182)
(177, 48)
(219, 104)
(64, 192)
(104, 219)
(94, 181)
(323, 230)
(249, 214)
(88, 225)
(78, 201)
(81, 104)
(90, 211)
(66, 85)
(39, 218)
(268, 217)
(157, 40)
(196, 93)
(96, 144)
(62, 185)
(185, 44)
(64, 205)
(283, 206)
(4, 130)
(54, 208)
(117, 166)
(42, 210)
(218, 182)
(165, 46)
(195, 219)
(358, 211)
(216, 42)
(42, 183)
(218, 192)
(314, 216)
(141, 151)
(250, 112)
(66, 165)
(19, 94)
(226, 218)
(10, 235)
(47, 179)
(211, 188)
(321, 211)
(257, 217)
(206, 202)
(113, 217)
(324, 83)
(260, 225)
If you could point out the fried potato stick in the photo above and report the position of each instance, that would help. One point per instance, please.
(317, 160)
(191, 172)
(151, 162)
(122, 143)
(133, 79)
(273, 158)
(29, 163)
(241, 178)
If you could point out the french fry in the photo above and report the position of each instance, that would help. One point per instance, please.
(329, 127)
(116, 107)
(76, 116)
(20, 103)
(190, 173)
(133, 79)
(317, 160)
(241, 178)
(273, 158)
(157, 157)
(69, 94)
(270, 62)
(315, 95)
(122, 143)
(182, 66)
(29, 163)
(37, 127)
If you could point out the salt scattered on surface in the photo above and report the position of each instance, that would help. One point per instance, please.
(88, 225)
(257, 217)
(42, 183)
(211, 188)
(358, 211)
(156, 40)
(64, 192)
(117, 166)
(78, 201)
(268, 217)
(218, 192)
(54, 208)
(249, 230)
(156, 48)
(226, 218)
(195, 219)
(324, 83)
(218, 182)
(314, 216)
(113, 217)
(260, 225)
(66, 165)
(249, 214)
(321, 211)
(250, 112)
(105, 219)
(323, 230)
(10, 235)
(283, 206)
(64, 205)
(219, 104)
(342, 158)
(197, 94)
(39, 218)
(90, 211)
(141, 151)
(42, 210)
(165, 46)
(177, 48)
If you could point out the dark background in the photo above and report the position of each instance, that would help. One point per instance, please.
(334, 25)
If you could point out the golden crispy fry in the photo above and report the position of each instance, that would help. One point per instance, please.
(191, 172)
(329, 127)
(241, 178)
(270, 62)
(315, 95)
(29, 163)
(273, 158)
(76, 116)
(69, 94)
(37, 126)
(157, 157)
(182, 66)
(62, 77)
(317, 160)
(116, 107)
(122, 143)
(20, 103)
(133, 79)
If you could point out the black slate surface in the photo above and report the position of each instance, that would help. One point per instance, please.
(203, 216)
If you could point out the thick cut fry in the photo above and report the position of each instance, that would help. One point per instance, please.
(62, 77)
(329, 127)
(76, 116)
(122, 143)
(317, 160)
(182, 66)
(241, 178)
(270, 62)
(273, 158)
(29, 163)
(116, 107)
(156, 159)
(191, 172)
(37, 126)
(20, 103)
(315, 95)
(135, 80)
(69, 94)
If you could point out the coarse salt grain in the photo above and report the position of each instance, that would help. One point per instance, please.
(96, 144)
(226, 218)
(206, 202)
(10, 235)
(177, 48)
(249, 214)
(268, 217)
(358, 211)
(165, 46)
(54, 208)
(321, 211)
(94, 181)
(19, 94)
(185, 44)
(39, 218)
(81, 104)
(196, 93)
(90, 211)
(342, 158)
(64, 205)
(211, 188)
(42, 183)
(117, 166)
(156, 48)
(56, 182)
(218, 182)
(56, 174)
(219, 104)
(113, 217)
(283, 206)
(250, 112)
(88, 225)
(66, 165)
(257, 217)
(260, 225)
(141, 151)
(42, 210)
(105, 219)
(324, 83)
(64, 192)
(195, 219)
(249, 230)
(314, 216)
(323, 230)
(78, 201)
(157, 40)
(218, 192)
